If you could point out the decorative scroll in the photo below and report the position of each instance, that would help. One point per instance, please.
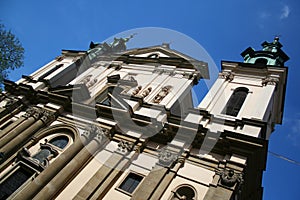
(40, 159)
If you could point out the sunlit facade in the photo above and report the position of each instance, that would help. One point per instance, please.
(116, 123)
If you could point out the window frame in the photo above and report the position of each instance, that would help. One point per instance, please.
(231, 97)
(11, 171)
(118, 188)
(173, 191)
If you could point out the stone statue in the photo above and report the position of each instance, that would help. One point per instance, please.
(118, 45)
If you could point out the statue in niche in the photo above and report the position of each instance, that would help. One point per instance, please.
(162, 94)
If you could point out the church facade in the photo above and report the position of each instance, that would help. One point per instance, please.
(111, 123)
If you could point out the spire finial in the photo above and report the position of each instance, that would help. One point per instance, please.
(276, 39)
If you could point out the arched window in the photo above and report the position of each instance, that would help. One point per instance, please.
(186, 192)
(262, 61)
(48, 150)
(236, 101)
(31, 161)
(60, 141)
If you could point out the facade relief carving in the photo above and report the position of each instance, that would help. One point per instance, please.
(47, 116)
(162, 94)
(125, 147)
(30, 112)
(230, 178)
(137, 90)
(89, 81)
(146, 92)
(38, 113)
(97, 133)
(167, 158)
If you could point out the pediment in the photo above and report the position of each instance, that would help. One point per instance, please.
(165, 56)
(160, 50)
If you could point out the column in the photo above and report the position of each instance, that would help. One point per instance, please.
(226, 182)
(124, 150)
(158, 175)
(10, 115)
(10, 105)
(72, 168)
(20, 125)
(108, 173)
(12, 146)
(165, 182)
(45, 176)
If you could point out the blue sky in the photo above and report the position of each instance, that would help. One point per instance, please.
(223, 28)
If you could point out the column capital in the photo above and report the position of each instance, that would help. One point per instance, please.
(167, 158)
(10, 102)
(32, 112)
(229, 177)
(270, 81)
(125, 147)
(47, 116)
(94, 132)
(228, 76)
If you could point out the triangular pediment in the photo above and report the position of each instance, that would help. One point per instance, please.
(162, 51)
(166, 56)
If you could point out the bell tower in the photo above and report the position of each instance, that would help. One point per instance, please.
(117, 123)
(247, 101)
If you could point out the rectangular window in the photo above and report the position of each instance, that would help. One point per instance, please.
(131, 182)
(10, 183)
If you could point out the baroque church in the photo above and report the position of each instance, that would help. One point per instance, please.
(116, 123)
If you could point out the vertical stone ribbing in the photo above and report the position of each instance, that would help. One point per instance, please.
(20, 125)
(50, 190)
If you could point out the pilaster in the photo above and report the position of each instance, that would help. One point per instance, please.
(98, 138)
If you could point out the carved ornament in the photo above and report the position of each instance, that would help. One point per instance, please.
(95, 132)
(228, 76)
(270, 81)
(166, 157)
(230, 178)
(162, 94)
(47, 116)
(125, 147)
